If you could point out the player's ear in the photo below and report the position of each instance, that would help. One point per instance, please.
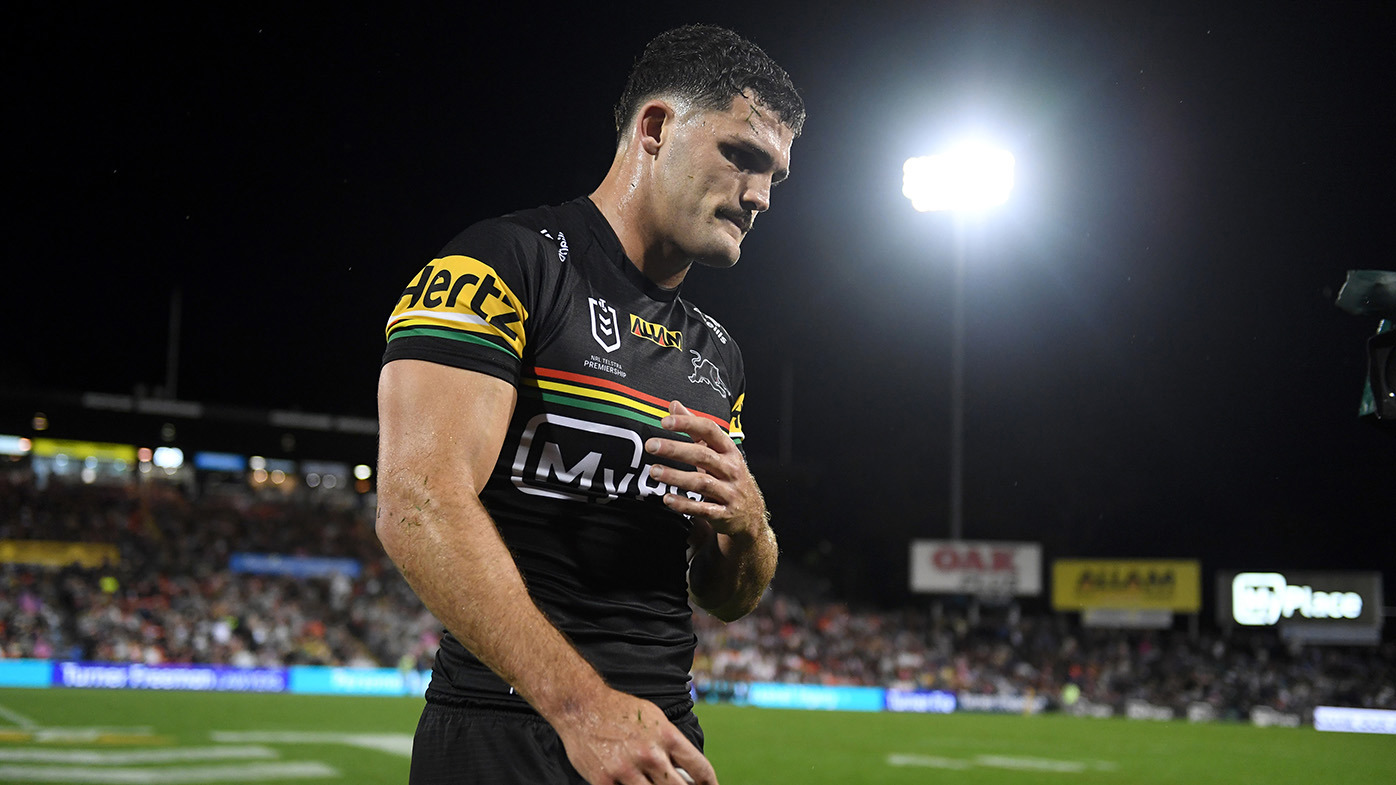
(652, 124)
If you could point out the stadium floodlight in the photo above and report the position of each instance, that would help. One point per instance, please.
(169, 458)
(965, 178)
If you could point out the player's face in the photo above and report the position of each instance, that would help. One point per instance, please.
(718, 175)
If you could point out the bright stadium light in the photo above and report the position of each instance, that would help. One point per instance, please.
(170, 458)
(964, 178)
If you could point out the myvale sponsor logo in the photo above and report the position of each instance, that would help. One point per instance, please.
(562, 457)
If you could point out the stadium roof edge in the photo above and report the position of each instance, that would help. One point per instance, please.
(196, 410)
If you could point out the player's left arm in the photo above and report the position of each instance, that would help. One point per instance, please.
(735, 549)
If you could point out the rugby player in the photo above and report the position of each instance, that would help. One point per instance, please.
(560, 461)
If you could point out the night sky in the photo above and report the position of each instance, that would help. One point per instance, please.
(1155, 367)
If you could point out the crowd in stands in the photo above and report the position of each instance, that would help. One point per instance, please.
(173, 599)
(1007, 653)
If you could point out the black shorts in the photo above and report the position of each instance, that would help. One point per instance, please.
(466, 745)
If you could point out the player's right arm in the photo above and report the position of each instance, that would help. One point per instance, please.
(440, 431)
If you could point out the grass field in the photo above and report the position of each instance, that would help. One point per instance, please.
(188, 737)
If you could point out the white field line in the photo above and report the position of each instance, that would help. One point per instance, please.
(178, 775)
(129, 757)
(12, 716)
(392, 743)
(86, 735)
(1011, 762)
(1030, 764)
(928, 761)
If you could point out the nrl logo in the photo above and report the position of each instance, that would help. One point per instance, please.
(604, 324)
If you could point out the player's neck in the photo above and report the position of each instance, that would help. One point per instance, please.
(622, 201)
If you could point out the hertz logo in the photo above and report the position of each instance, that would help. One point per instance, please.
(437, 289)
(658, 333)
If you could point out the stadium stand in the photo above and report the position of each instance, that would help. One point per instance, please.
(173, 597)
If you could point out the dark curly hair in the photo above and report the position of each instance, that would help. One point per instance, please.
(709, 66)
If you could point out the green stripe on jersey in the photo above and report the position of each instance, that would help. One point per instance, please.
(593, 406)
(455, 335)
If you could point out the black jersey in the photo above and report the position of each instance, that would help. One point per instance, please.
(547, 300)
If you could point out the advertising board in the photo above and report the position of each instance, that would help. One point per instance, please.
(1135, 584)
(57, 553)
(921, 701)
(26, 673)
(136, 676)
(1340, 719)
(318, 680)
(976, 567)
(293, 565)
(1000, 703)
(1310, 606)
(775, 695)
(78, 450)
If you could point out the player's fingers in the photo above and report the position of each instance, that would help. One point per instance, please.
(705, 509)
(695, 455)
(656, 764)
(705, 484)
(648, 768)
(666, 773)
(699, 428)
(700, 458)
(699, 533)
(684, 761)
(688, 760)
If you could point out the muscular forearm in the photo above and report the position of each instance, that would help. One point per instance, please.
(730, 572)
(451, 554)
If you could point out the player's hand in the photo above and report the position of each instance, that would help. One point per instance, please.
(732, 503)
(619, 739)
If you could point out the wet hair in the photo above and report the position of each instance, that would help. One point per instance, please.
(709, 66)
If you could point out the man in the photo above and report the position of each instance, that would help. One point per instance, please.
(559, 435)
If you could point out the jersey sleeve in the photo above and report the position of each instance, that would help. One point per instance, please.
(470, 307)
(734, 426)
(738, 398)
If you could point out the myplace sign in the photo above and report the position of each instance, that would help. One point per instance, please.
(1263, 598)
(1314, 602)
(976, 567)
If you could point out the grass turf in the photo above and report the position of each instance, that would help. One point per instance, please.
(746, 745)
